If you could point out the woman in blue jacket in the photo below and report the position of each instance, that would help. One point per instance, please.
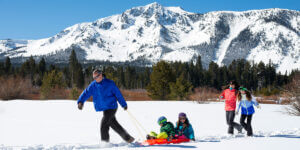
(246, 102)
(183, 128)
(105, 97)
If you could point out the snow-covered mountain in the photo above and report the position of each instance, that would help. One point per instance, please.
(151, 33)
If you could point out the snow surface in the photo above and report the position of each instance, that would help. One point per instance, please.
(60, 125)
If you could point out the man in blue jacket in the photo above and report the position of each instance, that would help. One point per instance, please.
(105, 96)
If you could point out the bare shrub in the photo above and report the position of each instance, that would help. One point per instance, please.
(135, 94)
(14, 87)
(293, 92)
(204, 94)
(265, 100)
(272, 99)
(55, 93)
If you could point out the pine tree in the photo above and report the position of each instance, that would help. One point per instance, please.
(181, 88)
(32, 69)
(245, 76)
(52, 80)
(160, 79)
(52, 67)
(8, 66)
(88, 74)
(261, 75)
(271, 73)
(279, 79)
(213, 71)
(199, 72)
(2, 69)
(111, 74)
(42, 66)
(79, 77)
(130, 77)
(224, 76)
(73, 66)
(285, 78)
(40, 69)
(240, 63)
(76, 71)
(67, 76)
(146, 77)
(121, 77)
(191, 73)
(29, 69)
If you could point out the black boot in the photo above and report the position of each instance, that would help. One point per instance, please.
(131, 139)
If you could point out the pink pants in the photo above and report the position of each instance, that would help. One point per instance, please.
(180, 136)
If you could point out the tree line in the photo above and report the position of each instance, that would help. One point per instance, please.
(164, 80)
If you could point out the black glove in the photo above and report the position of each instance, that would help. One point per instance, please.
(193, 139)
(80, 106)
(125, 108)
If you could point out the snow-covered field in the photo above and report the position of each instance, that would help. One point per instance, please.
(60, 125)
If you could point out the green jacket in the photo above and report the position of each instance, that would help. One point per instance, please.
(168, 127)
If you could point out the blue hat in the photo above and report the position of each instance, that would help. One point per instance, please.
(162, 120)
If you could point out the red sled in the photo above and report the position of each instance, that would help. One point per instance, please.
(164, 141)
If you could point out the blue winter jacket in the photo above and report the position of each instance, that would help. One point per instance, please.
(247, 106)
(105, 95)
(188, 131)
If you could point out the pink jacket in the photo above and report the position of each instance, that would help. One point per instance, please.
(230, 99)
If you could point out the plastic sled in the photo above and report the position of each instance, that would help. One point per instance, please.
(164, 141)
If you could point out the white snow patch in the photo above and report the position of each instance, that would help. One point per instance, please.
(60, 125)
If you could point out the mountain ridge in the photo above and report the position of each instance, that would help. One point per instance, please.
(151, 33)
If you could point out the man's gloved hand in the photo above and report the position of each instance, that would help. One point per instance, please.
(193, 139)
(125, 108)
(80, 106)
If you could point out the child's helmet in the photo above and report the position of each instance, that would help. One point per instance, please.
(161, 120)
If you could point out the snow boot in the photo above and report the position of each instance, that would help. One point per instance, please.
(131, 139)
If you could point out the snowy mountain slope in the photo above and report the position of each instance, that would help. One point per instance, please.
(60, 125)
(153, 32)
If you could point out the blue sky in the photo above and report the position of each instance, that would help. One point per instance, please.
(35, 19)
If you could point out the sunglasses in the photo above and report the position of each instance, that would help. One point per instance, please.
(96, 76)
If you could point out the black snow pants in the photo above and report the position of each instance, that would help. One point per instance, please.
(109, 120)
(230, 121)
(247, 126)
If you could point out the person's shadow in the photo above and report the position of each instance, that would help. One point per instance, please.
(281, 136)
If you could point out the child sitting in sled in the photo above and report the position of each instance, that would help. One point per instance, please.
(184, 129)
(167, 130)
